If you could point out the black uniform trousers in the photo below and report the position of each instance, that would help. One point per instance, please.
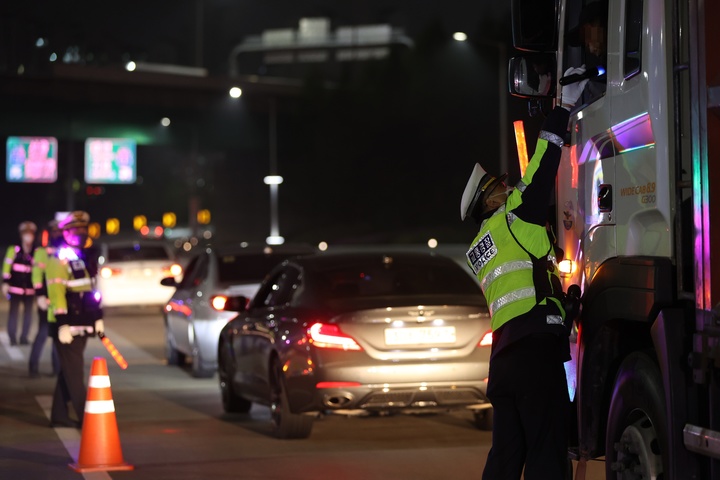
(13, 313)
(70, 386)
(527, 387)
(39, 344)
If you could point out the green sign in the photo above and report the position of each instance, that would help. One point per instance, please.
(31, 159)
(110, 160)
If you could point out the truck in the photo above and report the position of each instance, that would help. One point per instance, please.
(637, 219)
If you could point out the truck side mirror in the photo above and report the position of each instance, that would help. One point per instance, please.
(532, 75)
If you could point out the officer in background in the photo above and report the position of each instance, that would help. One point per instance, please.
(17, 283)
(513, 259)
(73, 315)
(40, 259)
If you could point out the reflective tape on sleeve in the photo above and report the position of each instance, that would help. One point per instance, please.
(99, 406)
(99, 381)
(78, 282)
(552, 138)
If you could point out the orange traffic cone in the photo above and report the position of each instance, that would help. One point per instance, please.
(100, 441)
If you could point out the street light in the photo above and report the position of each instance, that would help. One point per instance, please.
(273, 181)
(502, 94)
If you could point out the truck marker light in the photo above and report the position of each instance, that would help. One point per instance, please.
(567, 267)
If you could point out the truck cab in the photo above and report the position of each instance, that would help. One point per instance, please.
(634, 209)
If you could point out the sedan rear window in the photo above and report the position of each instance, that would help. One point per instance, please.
(246, 268)
(397, 279)
(137, 252)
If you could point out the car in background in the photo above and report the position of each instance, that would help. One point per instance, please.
(368, 332)
(192, 319)
(130, 271)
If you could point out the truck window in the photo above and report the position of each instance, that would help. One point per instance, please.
(585, 44)
(633, 37)
(534, 25)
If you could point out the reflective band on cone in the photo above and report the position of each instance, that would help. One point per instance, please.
(100, 440)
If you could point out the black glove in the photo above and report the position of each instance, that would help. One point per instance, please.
(571, 305)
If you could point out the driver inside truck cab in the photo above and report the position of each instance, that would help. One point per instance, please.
(590, 33)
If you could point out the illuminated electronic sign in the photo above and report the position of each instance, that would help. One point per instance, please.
(31, 159)
(110, 160)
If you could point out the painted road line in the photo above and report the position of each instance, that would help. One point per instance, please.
(70, 437)
(14, 351)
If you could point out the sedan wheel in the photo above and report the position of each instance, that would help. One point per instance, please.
(286, 424)
(198, 369)
(484, 419)
(232, 402)
(172, 354)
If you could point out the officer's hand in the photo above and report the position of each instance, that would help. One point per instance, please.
(571, 93)
(99, 327)
(5, 289)
(42, 302)
(64, 334)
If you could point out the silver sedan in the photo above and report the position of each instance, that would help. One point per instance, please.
(357, 332)
(192, 319)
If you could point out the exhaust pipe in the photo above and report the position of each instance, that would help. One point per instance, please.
(337, 401)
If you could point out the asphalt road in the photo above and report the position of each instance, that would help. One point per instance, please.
(172, 426)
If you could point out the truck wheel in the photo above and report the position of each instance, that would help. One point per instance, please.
(285, 423)
(636, 440)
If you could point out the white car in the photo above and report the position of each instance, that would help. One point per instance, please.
(130, 273)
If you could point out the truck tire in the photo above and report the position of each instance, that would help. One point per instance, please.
(636, 438)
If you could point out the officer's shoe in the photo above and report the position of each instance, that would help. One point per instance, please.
(24, 341)
(34, 374)
(13, 342)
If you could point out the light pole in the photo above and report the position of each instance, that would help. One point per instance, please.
(502, 95)
(273, 180)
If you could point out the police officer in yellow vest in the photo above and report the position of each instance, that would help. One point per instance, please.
(17, 283)
(73, 315)
(40, 260)
(513, 259)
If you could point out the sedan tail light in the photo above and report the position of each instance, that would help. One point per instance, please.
(486, 340)
(218, 302)
(107, 272)
(324, 335)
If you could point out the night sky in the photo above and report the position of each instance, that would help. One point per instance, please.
(381, 157)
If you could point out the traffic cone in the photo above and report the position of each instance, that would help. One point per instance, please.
(100, 441)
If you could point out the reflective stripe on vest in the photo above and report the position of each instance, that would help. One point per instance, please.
(21, 291)
(511, 297)
(78, 282)
(507, 267)
(21, 267)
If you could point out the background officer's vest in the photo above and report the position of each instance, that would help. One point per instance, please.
(17, 270)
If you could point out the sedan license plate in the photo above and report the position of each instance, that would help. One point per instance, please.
(419, 335)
